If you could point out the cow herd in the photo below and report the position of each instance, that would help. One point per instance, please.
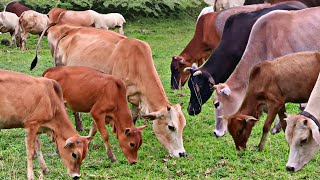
(253, 58)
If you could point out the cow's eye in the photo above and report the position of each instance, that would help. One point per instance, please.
(74, 155)
(172, 128)
(303, 141)
(132, 145)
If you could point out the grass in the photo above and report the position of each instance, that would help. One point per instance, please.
(208, 157)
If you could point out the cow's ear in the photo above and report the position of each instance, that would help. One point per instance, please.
(315, 131)
(69, 143)
(142, 127)
(225, 90)
(127, 131)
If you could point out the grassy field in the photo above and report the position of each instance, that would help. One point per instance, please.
(208, 157)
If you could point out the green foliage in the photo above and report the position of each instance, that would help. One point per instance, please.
(128, 8)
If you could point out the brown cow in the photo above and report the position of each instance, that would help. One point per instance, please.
(31, 22)
(130, 60)
(36, 104)
(207, 35)
(279, 38)
(16, 7)
(271, 85)
(104, 96)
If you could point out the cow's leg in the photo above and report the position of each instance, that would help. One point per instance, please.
(282, 115)
(273, 109)
(77, 119)
(99, 119)
(12, 38)
(24, 37)
(135, 110)
(30, 143)
(43, 165)
(93, 130)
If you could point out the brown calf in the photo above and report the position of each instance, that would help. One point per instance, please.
(104, 96)
(36, 104)
(271, 84)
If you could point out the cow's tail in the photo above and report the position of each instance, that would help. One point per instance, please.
(56, 50)
(35, 60)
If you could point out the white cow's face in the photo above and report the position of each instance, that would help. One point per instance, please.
(168, 126)
(303, 137)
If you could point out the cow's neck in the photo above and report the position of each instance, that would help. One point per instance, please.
(250, 106)
(314, 99)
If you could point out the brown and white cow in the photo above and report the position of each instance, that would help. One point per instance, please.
(207, 35)
(36, 104)
(9, 22)
(279, 38)
(31, 22)
(302, 132)
(104, 96)
(130, 60)
(290, 78)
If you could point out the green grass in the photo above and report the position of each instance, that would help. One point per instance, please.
(208, 157)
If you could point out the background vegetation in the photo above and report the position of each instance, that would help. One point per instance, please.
(208, 157)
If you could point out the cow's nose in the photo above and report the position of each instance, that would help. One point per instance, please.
(134, 162)
(183, 154)
(215, 134)
(291, 169)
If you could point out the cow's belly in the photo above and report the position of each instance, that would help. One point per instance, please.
(9, 123)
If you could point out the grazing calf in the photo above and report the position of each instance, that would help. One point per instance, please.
(271, 85)
(9, 22)
(302, 132)
(104, 96)
(36, 104)
(16, 8)
(31, 22)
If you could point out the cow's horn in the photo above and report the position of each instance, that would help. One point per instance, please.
(197, 73)
(187, 69)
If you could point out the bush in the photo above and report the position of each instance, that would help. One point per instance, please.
(128, 8)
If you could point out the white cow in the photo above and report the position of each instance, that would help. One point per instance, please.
(224, 4)
(9, 22)
(109, 21)
(302, 132)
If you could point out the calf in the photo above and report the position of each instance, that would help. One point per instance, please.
(104, 96)
(31, 22)
(36, 104)
(302, 132)
(271, 85)
(9, 22)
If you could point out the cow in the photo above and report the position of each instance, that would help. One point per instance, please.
(270, 86)
(16, 8)
(31, 22)
(207, 35)
(9, 22)
(104, 96)
(309, 3)
(227, 55)
(284, 33)
(36, 104)
(130, 60)
(302, 132)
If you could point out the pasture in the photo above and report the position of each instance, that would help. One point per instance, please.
(208, 157)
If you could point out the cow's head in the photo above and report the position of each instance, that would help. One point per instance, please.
(303, 138)
(178, 76)
(130, 141)
(224, 105)
(201, 88)
(72, 154)
(240, 127)
(168, 126)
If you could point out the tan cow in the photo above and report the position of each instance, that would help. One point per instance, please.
(104, 96)
(36, 104)
(9, 22)
(31, 22)
(279, 38)
(130, 60)
(302, 132)
(271, 85)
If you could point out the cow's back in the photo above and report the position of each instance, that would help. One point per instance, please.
(33, 22)
(16, 8)
(83, 18)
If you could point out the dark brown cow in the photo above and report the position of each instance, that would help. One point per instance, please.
(207, 35)
(104, 96)
(36, 104)
(16, 8)
(271, 85)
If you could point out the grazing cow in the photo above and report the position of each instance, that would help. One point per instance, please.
(130, 60)
(31, 22)
(302, 132)
(106, 103)
(284, 33)
(36, 104)
(270, 86)
(9, 22)
(16, 7)
(309, 3)
(207, 35)
(226, 56)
